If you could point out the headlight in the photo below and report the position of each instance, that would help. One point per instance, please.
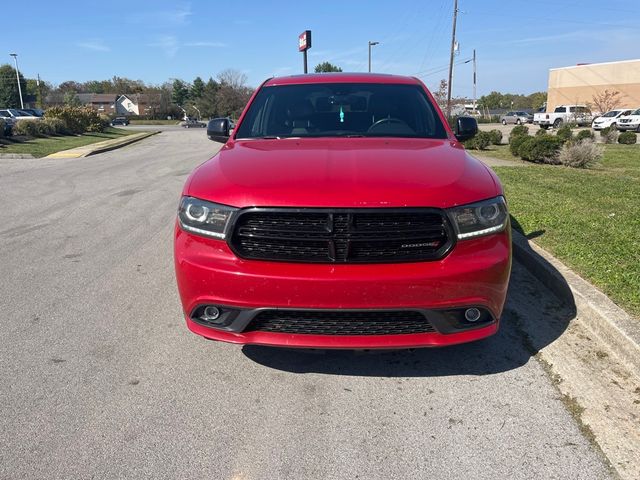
(482, 218)
(204, 218)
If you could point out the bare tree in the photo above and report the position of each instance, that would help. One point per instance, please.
(607, 100)
(232, 94)
(233, 78)
(440, 95)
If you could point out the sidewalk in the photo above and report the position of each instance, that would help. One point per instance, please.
(100, 147)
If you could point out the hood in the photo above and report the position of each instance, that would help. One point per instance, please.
(343, 172)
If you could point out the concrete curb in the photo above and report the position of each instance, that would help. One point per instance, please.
(101, 147)
(612, 325)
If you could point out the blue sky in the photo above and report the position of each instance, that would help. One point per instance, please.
(517, 41)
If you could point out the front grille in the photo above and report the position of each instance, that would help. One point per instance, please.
(341, 235)
(340, 322)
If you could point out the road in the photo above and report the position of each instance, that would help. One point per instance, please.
(101, 379)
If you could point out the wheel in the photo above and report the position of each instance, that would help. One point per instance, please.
(518, 122)
(557, 123)
(614, 126)
(544, 127)
(504, 122)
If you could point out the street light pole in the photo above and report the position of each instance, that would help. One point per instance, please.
(453, 46)
(15, 59)
(371, 44)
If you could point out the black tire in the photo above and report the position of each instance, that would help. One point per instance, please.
(557, 123)
(518, 122)
(504, 122)
(544, 127)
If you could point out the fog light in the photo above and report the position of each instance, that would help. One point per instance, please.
(210, 314)
(472, 314)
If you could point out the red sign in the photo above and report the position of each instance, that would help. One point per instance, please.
(304, 41)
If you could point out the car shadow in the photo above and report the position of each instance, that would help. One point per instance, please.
(534, 316)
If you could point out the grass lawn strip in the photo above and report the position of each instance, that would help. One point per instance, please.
(41, 147)
(590, 219)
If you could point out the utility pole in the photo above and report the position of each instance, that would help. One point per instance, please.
(474, 80)
(371, 44)
(15, 59)
(40, 99)
(453, 46)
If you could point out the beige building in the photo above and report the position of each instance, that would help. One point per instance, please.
(579, 84)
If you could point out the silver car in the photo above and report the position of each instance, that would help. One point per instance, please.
(517, 118)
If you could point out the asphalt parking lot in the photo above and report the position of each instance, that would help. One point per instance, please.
(101, 379)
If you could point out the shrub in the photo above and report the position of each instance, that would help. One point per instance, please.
(77, 119)
(516, 142)
(28, 128)
(518, 130)
(543, 148)
(581, 154)
(2, 127)
(480, 142)
(57, 126)
(627, 138)
(564, 133)
(542, 131)
(585, 135)
(495, 137)
(44, 129)
(608, 135)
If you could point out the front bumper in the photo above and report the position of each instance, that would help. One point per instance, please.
(629, 126)
(475, 273)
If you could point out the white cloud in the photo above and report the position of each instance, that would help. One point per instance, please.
(205, 44)
(168, 43)
(163, 18)
(95, 45)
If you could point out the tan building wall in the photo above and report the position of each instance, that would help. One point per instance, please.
(578, 85)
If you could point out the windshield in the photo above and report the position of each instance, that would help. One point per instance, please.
(635, 112)
(341, 109)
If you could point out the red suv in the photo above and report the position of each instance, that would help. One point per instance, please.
(343, 212)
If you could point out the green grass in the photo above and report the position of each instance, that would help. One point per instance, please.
(500, 152)
(41, 147)
(155, 122)
(590, 219)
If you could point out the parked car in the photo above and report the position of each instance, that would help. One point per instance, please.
(578, 114)
(120, 121)
(16, 115)
(35, 112)
(7, 126)
(517, 118)
(609, 119)
(630, 121)
(193, 123)
(343, 212)
(213, 127)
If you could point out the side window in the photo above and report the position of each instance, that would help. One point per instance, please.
(572, 109)
(559, 110)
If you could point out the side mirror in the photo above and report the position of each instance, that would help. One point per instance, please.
(466, 128)
(218, 129)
